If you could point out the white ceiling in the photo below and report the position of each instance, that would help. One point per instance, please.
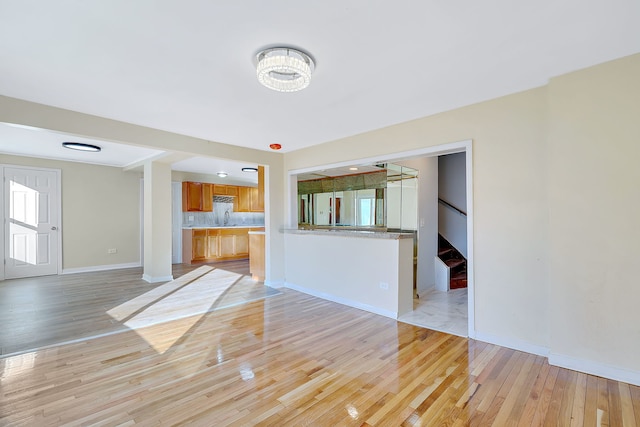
(188, 66)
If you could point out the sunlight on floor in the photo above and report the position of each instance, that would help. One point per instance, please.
(188, 297)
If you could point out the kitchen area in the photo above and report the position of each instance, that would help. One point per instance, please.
(223, 222)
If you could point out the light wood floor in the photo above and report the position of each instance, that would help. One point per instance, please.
(43, 311)
(295, 360)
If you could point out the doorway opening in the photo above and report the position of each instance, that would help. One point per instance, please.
(427, 222)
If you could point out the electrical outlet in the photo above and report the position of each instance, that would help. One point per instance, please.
(384, 286)
(112, 251)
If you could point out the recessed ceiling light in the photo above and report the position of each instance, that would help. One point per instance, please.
(222, 174)
(249, 169)
(81, 146)
(353, 169)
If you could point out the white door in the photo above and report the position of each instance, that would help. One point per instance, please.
(31, 222)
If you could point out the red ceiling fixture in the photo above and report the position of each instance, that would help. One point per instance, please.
(275, 146)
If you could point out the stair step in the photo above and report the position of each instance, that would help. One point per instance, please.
(453, 263)
(458, 284)
(444, 252)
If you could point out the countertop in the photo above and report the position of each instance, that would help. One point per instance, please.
(351, 233)
(205, 227)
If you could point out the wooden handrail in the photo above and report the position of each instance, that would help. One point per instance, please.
(449, 205)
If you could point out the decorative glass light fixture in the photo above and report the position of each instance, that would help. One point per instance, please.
(81, 146)
(284, 69)
(249, 169)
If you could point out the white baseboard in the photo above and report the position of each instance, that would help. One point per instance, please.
(100, 268)
(274, 283)
(152, 279)
(595, 368)
(512, 344)
(343, 301)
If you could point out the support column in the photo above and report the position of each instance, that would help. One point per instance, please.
(157, 222)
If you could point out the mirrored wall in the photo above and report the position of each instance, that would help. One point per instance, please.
(385, 198)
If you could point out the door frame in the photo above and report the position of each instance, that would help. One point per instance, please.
(3, 200)
(464, 146)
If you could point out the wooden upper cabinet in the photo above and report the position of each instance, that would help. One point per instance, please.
(225, 190)
(191, 196)
(244, 199)
(197, 197)
(256, 205)
(260, 200)
(207, 197)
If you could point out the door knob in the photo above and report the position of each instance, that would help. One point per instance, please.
(54, 228)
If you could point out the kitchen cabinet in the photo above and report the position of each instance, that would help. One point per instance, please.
(225, 190)
(244, 200)
(256, 255)
(234, 243)
(194, 245)
(215, 244)
(259, 207)
(197, 197)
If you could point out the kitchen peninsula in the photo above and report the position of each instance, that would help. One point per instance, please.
(370, 270)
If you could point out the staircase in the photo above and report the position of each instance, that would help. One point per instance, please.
(455, 261)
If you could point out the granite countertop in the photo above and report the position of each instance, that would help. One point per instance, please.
(200, 227)
(351, 233)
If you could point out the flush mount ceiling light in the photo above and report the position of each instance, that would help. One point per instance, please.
(222, 174)
(249, 169)
(81, 146)
(284, 69)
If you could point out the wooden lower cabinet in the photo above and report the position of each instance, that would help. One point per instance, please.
(215, 244)
(199, 245)
(256, 260)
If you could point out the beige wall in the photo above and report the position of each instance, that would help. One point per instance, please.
(100, 210)
(594, 190)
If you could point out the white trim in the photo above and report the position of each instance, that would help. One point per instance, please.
(151, 279)
(94, 268)
(432, 151)
(141, 220)
(595, 368)
(343, 301)
(512, 343)
(471, 283)
(276, 284)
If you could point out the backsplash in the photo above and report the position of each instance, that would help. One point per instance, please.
(216, 218)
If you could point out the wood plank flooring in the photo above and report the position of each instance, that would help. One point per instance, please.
(43, 311)
(295, 360)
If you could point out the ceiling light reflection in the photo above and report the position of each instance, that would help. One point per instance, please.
(353, 412)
